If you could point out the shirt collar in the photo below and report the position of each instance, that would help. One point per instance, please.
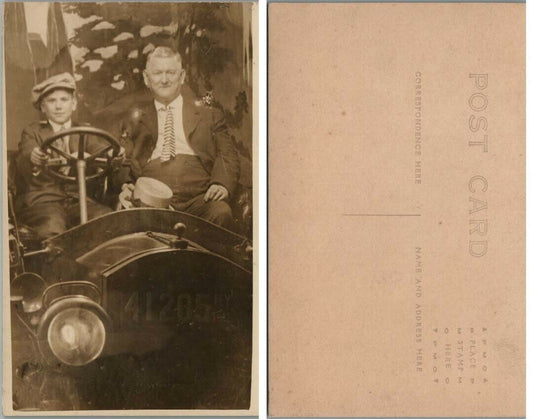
(175, 104)
(57, 127)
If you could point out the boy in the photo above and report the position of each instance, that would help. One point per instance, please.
(43, 203)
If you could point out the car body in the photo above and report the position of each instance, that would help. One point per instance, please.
(137, 309)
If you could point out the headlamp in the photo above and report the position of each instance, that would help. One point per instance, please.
(73, 331)
(76, 336)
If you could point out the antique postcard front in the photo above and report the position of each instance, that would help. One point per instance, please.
(129, 183)
(396, 209)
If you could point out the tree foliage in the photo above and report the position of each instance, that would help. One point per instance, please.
(133, 29)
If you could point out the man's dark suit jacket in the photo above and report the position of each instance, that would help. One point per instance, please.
(206, 134)
(32, 190)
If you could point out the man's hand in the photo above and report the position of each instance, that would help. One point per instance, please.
(216, 193)
(128, 186)
(38, 157)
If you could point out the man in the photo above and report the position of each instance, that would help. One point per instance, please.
(184, 143)
(42, 202)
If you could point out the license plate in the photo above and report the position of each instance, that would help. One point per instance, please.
(173, 307)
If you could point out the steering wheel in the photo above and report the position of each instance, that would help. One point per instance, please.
(101, 159)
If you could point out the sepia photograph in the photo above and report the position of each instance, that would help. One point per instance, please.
(129, 142)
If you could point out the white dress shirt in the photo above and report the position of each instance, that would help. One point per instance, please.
(182, 146)
(61, 127)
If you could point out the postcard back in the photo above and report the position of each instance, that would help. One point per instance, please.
(397, 209)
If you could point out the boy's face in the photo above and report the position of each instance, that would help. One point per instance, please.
(59, 105)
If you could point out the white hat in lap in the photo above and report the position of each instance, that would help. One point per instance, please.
(148, 192)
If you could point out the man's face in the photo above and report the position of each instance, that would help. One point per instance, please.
(59, 105)
(164, 76)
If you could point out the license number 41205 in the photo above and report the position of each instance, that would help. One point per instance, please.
(175, 307)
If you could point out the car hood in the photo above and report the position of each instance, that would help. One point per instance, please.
(105, 240)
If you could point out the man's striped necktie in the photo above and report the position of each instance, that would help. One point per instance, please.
(169, 138)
